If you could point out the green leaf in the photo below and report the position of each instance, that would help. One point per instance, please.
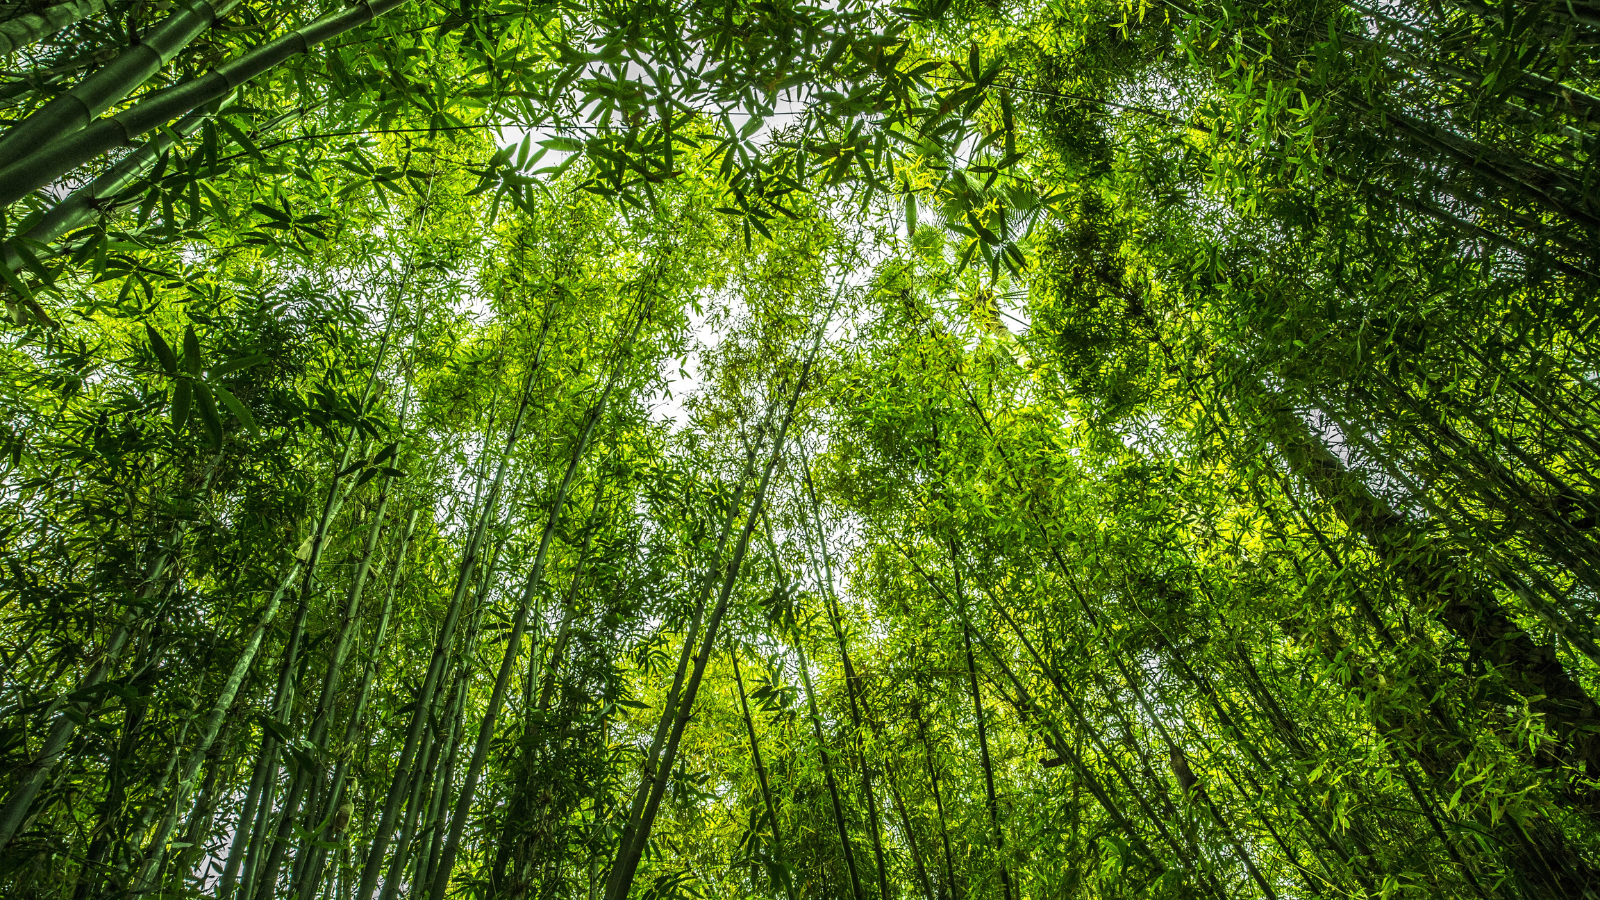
(240, 138)
(191, 351)
(208, 413)
(242, 362)
(181, 395)
(239, 410)
(169, 361)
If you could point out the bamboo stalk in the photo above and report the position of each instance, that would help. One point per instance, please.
(43, 163)
(630, 851)
(156, 848)
(18, 33)
(73, 110)
(480, 750)
(435, 672)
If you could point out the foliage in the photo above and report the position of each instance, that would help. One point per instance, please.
(1083, 448)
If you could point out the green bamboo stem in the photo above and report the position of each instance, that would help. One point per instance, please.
(311, 879)
(244, 829)
(433, 830)
(304, 777)
(1465, 607)
(630, 852)
(435, 672)
(830, 600)
(87, 203)
(911, 837)
(993, 802)
(827, 774)
(938, 801)
(156, 847)
(761, 768)
(641, 796)
(480, 750)
(72, 111)
(18, 33)
(43, 164)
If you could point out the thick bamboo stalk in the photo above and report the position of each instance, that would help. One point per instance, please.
(72, 111)
(83, 205)
(44, 163)
(15, 34)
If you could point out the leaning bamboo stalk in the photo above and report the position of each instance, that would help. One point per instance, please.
(830, 600)
(911, 837)
(827, 774)
(238, 848)
(312, 876)
(73, 110)
(938, 799)
(15, 34)
(339, 488)
(155, 849)
(83, 205)
(761, 768)
(630, 852)
(402, 775)
(44, 163)
(993, 802)
(433, 831)
(480, 750)
(1024, 701)
(641, 796)
(303, 777)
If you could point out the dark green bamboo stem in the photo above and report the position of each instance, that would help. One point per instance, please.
(17, 33)
(402, 774)
(632, 848)
(73, 110)
(830, 599)
(845, 847)
(761, 768)
(46, 162)
(480, 751)
(155, 849)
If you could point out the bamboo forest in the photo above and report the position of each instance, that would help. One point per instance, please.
(799, 449)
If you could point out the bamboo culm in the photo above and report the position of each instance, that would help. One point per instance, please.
(629, 853)
(402, 773)
(480, 750)
(46, 162)
(156, 848)
(15, 34)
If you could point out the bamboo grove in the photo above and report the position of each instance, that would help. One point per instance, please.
(960, 449)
